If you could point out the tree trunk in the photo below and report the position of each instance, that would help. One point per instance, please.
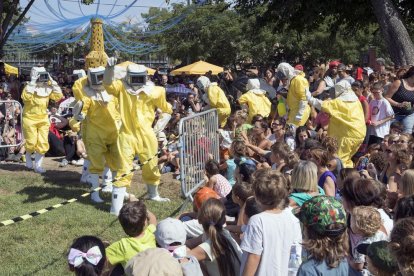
(397, 39)
(6, 31)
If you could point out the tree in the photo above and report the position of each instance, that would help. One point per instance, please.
(11, 15)
(396, 36)
(352, 15)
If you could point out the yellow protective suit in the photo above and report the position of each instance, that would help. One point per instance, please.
(99, 129)
(35, 120)
(296, 94)
(347, 125)
(136, 135)
(258, 104)
(218, 100)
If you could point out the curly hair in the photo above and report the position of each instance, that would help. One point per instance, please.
(402, 245)
(331, 249)
(330, 144)
(367, 220)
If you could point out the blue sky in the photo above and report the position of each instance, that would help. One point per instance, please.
(40, 13)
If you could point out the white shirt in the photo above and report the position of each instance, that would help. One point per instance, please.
(271, 236)
(379, 110)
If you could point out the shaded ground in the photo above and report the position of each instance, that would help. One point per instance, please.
(38, 246)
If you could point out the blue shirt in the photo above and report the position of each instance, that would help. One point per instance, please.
(231, 167)
(312, 267)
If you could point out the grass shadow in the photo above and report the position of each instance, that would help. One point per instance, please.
(36, 194)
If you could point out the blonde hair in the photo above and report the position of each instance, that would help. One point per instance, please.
(367, 220)
(407, 183)
(305, 177)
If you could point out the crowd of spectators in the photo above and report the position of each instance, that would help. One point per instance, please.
(279, 201)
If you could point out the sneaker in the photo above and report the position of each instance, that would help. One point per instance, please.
(63, 163)
(10, 157)
(78, 162)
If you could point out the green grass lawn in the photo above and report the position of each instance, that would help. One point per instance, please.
(39, 246)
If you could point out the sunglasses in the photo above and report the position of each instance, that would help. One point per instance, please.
(393, 142)
(276, 124)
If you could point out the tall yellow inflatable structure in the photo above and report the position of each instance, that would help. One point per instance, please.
(97, 56)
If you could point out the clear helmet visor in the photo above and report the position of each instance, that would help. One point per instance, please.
(137, 78)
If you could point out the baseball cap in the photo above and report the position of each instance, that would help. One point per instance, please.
(380, 255)
(153, 262)
(320, 212)
(170, 231)
(333, 63)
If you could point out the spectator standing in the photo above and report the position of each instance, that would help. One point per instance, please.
(401, 97)
(381, 114)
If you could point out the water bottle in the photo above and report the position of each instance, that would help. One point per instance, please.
(294, 261)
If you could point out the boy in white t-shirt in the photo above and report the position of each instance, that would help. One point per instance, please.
(381, 114)
(269, 235)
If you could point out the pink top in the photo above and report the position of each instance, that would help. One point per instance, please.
(222, 186)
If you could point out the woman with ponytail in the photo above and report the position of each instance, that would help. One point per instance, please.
(219, 251)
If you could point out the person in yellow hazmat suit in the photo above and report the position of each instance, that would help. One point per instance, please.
(138, 101)
(215, 98)
(36, 96)
(256, 100)
(298, 108)
(346, 123)
(101, 122)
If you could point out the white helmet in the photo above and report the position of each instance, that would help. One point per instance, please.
(203, 83)
(136, 75)
(95, 77)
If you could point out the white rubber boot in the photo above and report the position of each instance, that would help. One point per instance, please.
(154, 195)
(85, 171)
(93, 179)
(29, 162)
(38, 163)
(118, 194)
(107, 180)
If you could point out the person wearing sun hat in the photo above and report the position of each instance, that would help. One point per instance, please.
(379, 258)
(325, 237)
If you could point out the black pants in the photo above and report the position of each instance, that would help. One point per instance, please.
(70, 148)
(56, 146)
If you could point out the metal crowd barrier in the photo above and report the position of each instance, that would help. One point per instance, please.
(11, 110)
(199, 141)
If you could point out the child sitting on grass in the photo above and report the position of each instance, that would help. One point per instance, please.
(214, 180)
(139, 224)
(87, 256)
